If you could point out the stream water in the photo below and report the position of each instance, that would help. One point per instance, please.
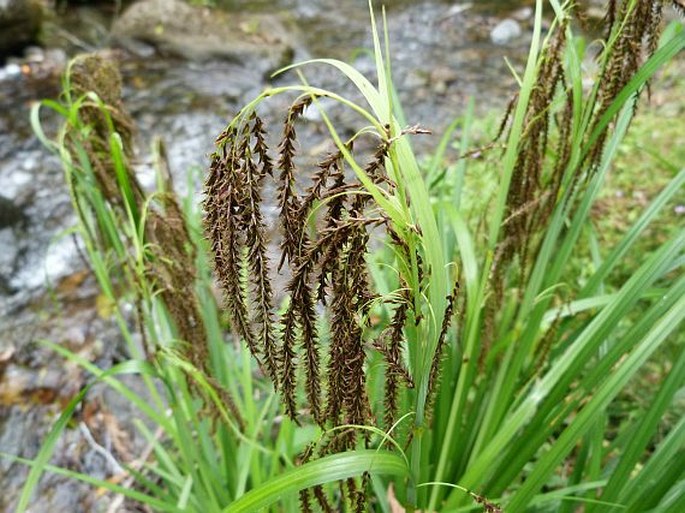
(442, 54)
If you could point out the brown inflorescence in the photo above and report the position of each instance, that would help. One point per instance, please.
(325, 231)
(169, 257)
(544, 170)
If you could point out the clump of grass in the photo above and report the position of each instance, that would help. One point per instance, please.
(165, 266)
(507, 410)
(145, 251)
(559, 147)
(325, 245)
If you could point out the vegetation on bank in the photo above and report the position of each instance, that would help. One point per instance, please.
(482, 357)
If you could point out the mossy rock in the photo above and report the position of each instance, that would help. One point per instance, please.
(98, 73)
(20, 23)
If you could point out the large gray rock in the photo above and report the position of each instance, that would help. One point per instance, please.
(20, 22)
(196, 33)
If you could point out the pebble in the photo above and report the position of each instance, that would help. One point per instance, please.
(523, 14)
(505, 31)
(10, 70)
(458, 9)
(18, 180)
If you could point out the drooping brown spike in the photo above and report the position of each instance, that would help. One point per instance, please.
(258, 261)
(305, 501)
(260, 146)
(389, 344)
(609, 18)
(361, 505)
(440, 348)
(224, 207)
(507, 115)
(376, 166)
(346, 379)
(316, 190)
(635, 43)
(318, 491)
(336, 209)
(227, 399)
(359, 278)
(341, 307)
(323, 501)
(310, 344)
(98, 73)
(287, 195)
(302, 315)
(170, 268)
(348, 284)
(288, 365)
(528, 197)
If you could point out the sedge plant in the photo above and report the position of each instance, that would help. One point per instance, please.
(519, 367)
(533, 375)
(207, 438)
(455, 369)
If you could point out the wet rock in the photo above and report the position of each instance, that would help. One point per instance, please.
(20, 22)
(505, 31)
(21, 432)
(36, 384)
(61, 258)
(199, 34)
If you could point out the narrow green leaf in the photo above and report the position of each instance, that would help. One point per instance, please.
(669, 454)
(633, 234)
(647, 426)
(572, 360)
(325, 470)
(154, 502)
(365, 87)
(40, 463)
(600, 400)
